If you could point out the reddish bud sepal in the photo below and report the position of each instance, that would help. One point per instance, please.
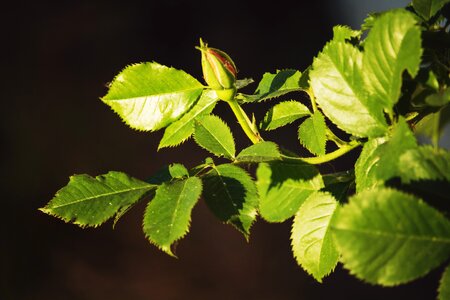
(219, 71)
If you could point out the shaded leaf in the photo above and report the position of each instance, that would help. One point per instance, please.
(388, 237)
(215, 136)
(444, 285)
(167, 217)
(312, 133)
(89, 201)
(150, 96)
(428, 8)
(284, 113)
(283, 187)
(312, 243)
(179, 131)
(231, 195)
(261, 152)
(273, 85)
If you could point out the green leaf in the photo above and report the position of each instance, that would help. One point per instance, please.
(432, 126)
(215, 136)
(428, 8)
(312, 243)
(337, 83)
(284, 113)
(388, 237)
(150, 96)
(339, 184)
(424, 163)
(444, 285)
(273, 85)
(283, 187)
(392, 46)
(312, 133)
(342, 33)
(231, 195)
(178, 171)
(179, 131)
(168, 216)
(241, 83)
(261, 152)
(89, 201)
(379, 159)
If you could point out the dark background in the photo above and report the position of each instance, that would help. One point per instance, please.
(57, 59)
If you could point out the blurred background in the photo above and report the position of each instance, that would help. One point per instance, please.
(58, 57)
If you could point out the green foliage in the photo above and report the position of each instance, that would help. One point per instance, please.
(312, 133)
(181, 130)
(284, 113)
(382, 215)
(168, 215)
(231, 195)
(428, 8)
(283, 187)
(388, 237)
(444, 285)
(153, 106)
(312, 242)
(215, 136)
(261, 152)
(89, 201)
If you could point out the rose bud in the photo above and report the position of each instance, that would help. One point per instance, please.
(219, 71)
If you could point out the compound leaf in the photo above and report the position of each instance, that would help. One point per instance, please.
(180, 130)
(167, 217)
(89, 201)
(261, 152)
(150, 96)
(392, 46)
(337, 83)
(231, 195)
(428, 8)
(215, 136)
(312, 243)
(388, 237)
(284, 113)
(312, 133)
(283, 187)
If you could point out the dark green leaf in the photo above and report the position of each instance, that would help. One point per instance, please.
(150, 96)
(432, 126)
(444, 285)
(312, 133)
(312, 242)
(283, 187)
(261, 152)
(88, 201)
(168, 215)
(277, 84)
(284, 113)
(388, 237)
(428, 8)
(231, 195)
(215, 136)
(179, 131)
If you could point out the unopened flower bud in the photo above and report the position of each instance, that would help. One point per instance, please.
(219, 71)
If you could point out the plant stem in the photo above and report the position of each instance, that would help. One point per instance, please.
(250, 130)
(312, 98)
(334, 138)
(324, 158)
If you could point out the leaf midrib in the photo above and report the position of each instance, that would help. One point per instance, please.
(115, 192)
(134, 98)
(396, 235)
